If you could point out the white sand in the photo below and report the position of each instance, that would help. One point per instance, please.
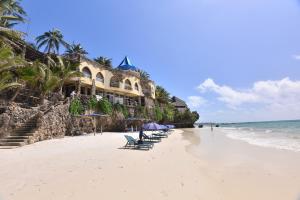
(93, 167)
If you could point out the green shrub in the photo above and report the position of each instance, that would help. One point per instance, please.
(140, 111)
(105, 106)
(121, 108)
(76, 107)
(168, 114)
(125, 111)
(92, 103)
(158, 115)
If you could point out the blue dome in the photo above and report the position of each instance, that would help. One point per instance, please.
(126, 65)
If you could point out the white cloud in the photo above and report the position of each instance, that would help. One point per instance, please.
(278, 99)
(297, 57)
(196, 101)
(228, 95)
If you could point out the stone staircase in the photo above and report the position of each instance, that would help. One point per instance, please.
(21, 135)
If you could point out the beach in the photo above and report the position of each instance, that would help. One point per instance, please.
(189, 164)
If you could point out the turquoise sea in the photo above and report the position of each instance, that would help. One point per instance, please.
(275, 134)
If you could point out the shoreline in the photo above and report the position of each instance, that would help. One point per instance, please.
(187, 165)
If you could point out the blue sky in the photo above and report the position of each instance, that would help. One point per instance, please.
(207, 52)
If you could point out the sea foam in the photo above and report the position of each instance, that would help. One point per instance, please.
(280, 135)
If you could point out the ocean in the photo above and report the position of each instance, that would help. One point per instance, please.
(275, 134)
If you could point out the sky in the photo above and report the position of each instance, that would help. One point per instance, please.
(230, 60)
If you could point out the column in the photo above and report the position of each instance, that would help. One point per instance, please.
(93, 87)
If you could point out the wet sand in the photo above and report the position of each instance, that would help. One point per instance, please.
(243, 171)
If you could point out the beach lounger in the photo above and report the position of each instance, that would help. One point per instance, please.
(160, 134)
(133, 143)
(152, 138)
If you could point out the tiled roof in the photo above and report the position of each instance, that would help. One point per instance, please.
(126, 65)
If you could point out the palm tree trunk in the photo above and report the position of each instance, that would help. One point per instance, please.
(61, 90)
(16, 94)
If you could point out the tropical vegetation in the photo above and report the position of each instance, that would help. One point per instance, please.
(51, 41)
(76, 107)
(9, 64)
(106, 62)
(76, 50)
(11, 13)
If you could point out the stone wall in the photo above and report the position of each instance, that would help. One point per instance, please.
(54, 123)
(81, 125)
(12, 117)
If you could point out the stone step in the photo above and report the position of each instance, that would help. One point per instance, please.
(28, 125)
(17, 137)
(25, 133)
(8, 147)
(22, 134)
(23, 130)
(12, 144)
(13, 140)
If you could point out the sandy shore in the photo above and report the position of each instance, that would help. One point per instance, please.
(193, 165)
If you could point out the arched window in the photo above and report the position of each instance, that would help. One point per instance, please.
(128, 85)
(100, 78)
(87, 73)
(136, 87)
(114, 82)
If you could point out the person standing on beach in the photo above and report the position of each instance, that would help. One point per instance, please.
(211, 127)
(141, 133)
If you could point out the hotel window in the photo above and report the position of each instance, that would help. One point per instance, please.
(128, 85)
(136, 86)
(114, 82)
(100, 78)
(87, 73)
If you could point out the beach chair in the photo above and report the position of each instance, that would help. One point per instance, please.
(151, 138)
(133, 143)
(161, 134)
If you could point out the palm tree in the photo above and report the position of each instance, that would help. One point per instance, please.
(65, 71)
(76, 49)
(162, 96)
(40, 76)
(9, 63)
(7, 82)
(11, 13)
(52, 41)
(12, 38)
(106, 62)
(144, 75)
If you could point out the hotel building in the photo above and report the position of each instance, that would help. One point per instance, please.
(122, 85)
